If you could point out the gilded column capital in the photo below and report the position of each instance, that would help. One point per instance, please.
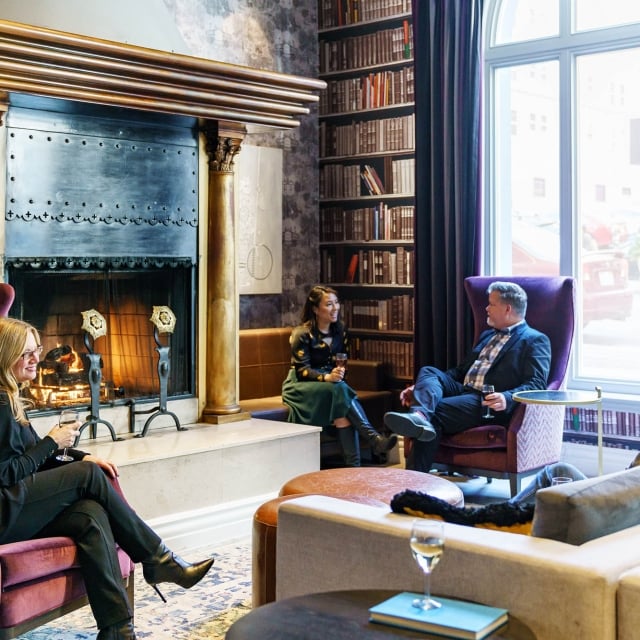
(222, 144)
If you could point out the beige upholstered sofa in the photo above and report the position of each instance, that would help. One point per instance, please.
(588, 590)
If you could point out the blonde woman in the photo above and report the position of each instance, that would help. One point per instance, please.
(42, 497)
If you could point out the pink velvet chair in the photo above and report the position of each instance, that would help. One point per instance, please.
(40, 580)
(533, 438)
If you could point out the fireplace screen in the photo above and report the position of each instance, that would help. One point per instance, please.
(53, 301)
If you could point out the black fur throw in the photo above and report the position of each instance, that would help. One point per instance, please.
(501, 514)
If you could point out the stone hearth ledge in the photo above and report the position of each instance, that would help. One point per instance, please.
(202, 486)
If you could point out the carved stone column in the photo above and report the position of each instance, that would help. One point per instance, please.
(223, 142)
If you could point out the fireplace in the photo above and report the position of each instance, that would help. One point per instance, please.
(109, 224)
(95, 218)
(53, 300)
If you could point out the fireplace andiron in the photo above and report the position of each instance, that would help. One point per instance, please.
(94, 326)
(164, 321)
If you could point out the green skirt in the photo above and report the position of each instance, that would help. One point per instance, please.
(316, 403)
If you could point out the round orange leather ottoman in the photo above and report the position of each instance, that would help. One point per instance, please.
(367, 485)
(378, 483)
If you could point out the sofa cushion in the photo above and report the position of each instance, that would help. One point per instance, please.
(503, 516)
(580, 511)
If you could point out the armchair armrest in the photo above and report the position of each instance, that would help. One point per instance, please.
(365, 375)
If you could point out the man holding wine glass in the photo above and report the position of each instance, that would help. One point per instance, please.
(511, 356)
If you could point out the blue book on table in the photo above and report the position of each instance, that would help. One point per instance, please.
(455, 618)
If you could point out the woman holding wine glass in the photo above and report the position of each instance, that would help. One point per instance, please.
(315, 389)
(42, 496)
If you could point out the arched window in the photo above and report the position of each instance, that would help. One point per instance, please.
(562, 166)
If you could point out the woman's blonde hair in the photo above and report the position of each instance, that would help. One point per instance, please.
(13, 337)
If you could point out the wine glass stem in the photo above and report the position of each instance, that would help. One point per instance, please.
(427, 586)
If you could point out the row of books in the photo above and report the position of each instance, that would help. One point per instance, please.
(369, 266)
(380, 222)
(345, 181)
(372, 136)
(391, 314)
(396, 354)
(372, 91)
(614, 423)
(368, 50)
(338, 13)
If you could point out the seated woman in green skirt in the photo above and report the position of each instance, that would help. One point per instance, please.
(315, 389)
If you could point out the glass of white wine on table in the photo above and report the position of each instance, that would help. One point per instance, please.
(427, 545)
(67, 416)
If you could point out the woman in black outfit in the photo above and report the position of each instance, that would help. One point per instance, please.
(42, 497)
(315, 390)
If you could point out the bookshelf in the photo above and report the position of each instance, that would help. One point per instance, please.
(367, 204)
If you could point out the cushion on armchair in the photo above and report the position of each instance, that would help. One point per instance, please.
(489, 436)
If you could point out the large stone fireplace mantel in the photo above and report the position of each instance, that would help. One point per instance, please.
(223, 98)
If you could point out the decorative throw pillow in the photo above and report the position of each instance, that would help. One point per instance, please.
(503, 516)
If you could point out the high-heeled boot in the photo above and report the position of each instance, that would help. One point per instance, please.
(119, 631)
(348, 439)
(378, 443)
(166, 566)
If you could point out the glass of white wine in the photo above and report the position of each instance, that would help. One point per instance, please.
(427, 545)
(67, 416)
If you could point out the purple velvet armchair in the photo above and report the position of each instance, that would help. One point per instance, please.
(533, 438)
(40, 580)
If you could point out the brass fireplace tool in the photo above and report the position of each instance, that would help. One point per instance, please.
(164, 321)
(94, 326)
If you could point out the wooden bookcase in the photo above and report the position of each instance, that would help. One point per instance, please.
(367, 202)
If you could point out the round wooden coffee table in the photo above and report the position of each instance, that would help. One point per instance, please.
(338, 615)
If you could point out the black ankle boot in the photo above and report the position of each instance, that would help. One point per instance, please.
(166, 566)
(348, 439)
(379, 443)
(120, 631)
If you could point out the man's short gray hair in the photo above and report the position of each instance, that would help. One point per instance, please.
(511, 293)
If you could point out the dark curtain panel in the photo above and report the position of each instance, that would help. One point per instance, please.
(447, 39)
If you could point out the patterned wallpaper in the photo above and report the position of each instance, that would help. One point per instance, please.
(278, 36)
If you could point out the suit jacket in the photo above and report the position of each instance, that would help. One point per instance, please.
(522, 364)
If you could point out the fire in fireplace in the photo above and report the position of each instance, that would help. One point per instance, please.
(53, 301)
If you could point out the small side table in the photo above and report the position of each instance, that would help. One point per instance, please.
(570, 399)
(339, 615)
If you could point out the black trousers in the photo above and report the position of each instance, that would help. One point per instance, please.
(77, 500)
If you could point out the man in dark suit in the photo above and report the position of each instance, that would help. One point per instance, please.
(511, 356)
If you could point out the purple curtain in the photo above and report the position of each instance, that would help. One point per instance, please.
(447, 41)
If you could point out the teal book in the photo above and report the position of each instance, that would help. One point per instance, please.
(455, 619)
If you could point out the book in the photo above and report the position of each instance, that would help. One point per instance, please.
(455, 619)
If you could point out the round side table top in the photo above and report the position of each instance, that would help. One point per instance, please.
(551, 396)
(339, 615)
(374, 483)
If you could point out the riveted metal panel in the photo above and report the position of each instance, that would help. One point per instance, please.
(89, 185)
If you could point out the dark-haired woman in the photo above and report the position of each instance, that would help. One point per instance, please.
(315, 389)
(41, 497)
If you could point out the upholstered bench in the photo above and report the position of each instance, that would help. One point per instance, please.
(374, 486)
(264, 362)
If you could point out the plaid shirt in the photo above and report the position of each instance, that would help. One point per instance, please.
(477, 371)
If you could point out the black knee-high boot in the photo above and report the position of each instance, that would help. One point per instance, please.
(348, 439)
(358, 418)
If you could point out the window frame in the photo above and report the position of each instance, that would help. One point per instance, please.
(564, 48)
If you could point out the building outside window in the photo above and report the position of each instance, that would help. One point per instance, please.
(574, 66)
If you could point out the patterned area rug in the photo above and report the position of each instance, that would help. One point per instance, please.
(204, 612)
